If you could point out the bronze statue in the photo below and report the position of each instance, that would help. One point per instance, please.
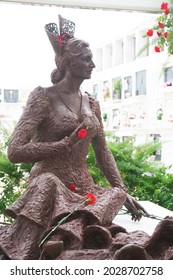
(48, 134)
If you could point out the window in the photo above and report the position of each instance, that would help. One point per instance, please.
(116, 88)
(115, 118)
(119, 49)
(108, 57)
(128, 86)
(106, 92)
(141, 82)
(99, 59)
(11, 95)
(168, 76)
(143, 43)
(131, 48)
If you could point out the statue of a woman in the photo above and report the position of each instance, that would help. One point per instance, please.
(48, 135)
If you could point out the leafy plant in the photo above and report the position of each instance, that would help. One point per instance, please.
(13, 177)
(117, 85)
(159, 114)
(105, 116)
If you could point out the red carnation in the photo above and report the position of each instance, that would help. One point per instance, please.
(160, 24)
(82, 133)
(150, 32)
(72, 187)
(157, 49)
(91, 199)
(164, 6)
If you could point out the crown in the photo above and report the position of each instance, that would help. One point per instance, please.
(59, 37)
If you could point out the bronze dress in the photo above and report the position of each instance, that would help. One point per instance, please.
(40, 138)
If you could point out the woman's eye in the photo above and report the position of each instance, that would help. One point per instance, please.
(87, 59)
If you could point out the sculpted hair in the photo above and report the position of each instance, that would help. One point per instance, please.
(72, 49)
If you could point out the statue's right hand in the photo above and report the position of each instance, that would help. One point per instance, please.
(74, 139)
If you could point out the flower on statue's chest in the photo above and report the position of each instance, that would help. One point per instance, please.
(82, 133)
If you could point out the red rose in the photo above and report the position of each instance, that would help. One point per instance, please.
(164, 6)
(150, 32)
(160, 24)
(157, 49)
(165, 34)
(72, 187)
(82, 133)
(91, 199)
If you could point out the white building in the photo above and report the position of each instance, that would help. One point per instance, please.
(135, 90)
(12, 101)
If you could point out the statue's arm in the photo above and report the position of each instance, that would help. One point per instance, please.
(104, 157)
(21, 148)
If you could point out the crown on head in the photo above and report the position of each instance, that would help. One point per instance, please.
(59, 37)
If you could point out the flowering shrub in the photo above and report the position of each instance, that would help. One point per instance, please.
(163, 29)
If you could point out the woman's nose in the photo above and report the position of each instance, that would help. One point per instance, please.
(92, 64)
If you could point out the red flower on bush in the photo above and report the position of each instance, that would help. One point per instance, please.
(161, 25)
(158, 33)
(164, 6)
(91, 199)
(165, 34)
(150, 32)
(157, 49)
(82, 133)
(167, 11)
(72, 187)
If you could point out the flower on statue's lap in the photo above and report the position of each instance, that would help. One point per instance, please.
(91, 199)
(72, 188)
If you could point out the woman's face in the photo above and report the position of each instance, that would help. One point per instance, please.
(82, 65)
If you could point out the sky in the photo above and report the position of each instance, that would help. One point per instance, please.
(26, 56)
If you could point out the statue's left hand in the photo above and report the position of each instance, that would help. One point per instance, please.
(136, 210)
